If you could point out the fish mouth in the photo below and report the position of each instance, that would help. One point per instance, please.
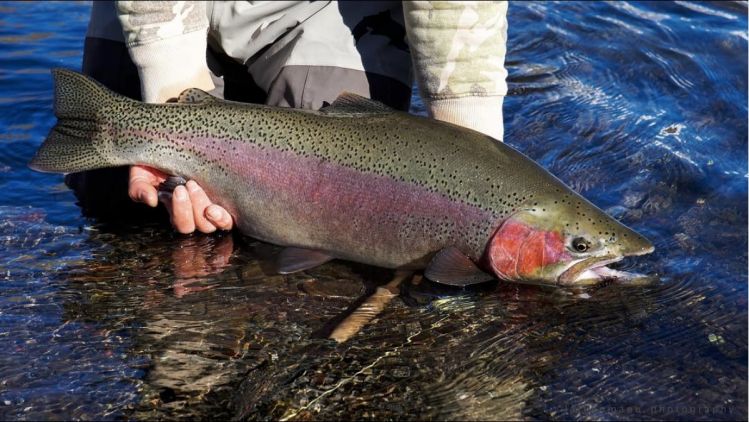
(594, 269)
(644, 251)
(590, 271)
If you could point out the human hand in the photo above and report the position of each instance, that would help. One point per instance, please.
(189, 207)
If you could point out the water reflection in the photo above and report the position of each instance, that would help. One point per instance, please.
(202, 312)
(181, 307)
(489, 353)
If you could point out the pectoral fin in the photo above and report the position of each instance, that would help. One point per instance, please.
(451, 266)
(292, 260)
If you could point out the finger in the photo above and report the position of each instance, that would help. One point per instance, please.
(200, 202)
(182, 218)
(219, 217)
(141, 190)
(142, 184)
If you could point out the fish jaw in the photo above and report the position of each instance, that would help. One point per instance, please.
(594, 270)
(588, 271)
(597, 274)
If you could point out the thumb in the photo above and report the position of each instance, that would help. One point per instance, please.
(142, 186)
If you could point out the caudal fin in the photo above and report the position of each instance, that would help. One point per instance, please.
(71, 144)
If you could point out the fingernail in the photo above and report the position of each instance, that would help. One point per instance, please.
(192, 186)
(180, 193)
(214, 214)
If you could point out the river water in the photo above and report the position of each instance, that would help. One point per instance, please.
(641, 107)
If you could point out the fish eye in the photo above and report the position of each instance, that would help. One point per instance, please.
(579, 244)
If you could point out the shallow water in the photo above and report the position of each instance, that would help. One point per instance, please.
(639, 106)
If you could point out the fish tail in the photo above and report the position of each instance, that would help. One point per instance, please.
(74, 143)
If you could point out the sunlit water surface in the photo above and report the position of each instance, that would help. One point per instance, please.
(641, 107)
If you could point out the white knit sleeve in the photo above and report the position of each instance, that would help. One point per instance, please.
(458, 51)
(167, 41)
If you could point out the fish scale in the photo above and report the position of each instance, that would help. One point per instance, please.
(356, 180)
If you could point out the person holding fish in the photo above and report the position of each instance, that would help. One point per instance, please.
(356, 180)
(292, 54)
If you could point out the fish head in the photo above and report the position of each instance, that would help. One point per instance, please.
(565, 241)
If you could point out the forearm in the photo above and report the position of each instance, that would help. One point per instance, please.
(458, 51)
(167, 43)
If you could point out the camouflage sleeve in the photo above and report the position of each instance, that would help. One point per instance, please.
(458, 51)
(167, 42)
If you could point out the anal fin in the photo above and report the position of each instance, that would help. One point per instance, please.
(451, 266)
(292, 260)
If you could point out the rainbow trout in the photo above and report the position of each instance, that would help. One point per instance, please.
(355, 181)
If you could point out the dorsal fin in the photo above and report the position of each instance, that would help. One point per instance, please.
(348, 103)
(195, 95)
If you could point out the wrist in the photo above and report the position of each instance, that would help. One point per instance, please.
(483, 114)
